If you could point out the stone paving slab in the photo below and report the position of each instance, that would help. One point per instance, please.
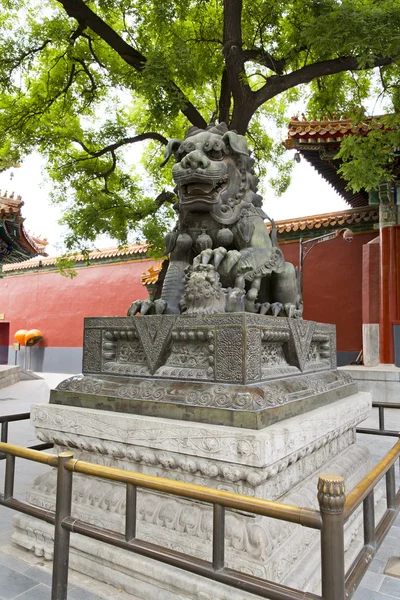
(393, 566)
(24, 576)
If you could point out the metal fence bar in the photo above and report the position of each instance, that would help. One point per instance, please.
(276, 510)
(28, 509)
(130, 512)
(9, 477)
(386, 433)
(385, 404)
(6, 419)
(381, 410)
(218, 552)
(364, 558)
(331, 498)
(363, 488)
(4, 432)
(369, 520)
(15, 417)
(61, 534)
(235, 579)
(44, 446)
(390, 488)
(381, 414)
(335, 509)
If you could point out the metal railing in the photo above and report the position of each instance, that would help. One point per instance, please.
(381, 414)
(6, 419)
(335, 510)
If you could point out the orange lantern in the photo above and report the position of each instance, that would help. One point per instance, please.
(20, 336)
(32, 337)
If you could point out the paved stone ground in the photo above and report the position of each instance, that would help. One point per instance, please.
(376, 585)
(24, 576)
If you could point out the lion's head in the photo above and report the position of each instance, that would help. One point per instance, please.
(213, 172)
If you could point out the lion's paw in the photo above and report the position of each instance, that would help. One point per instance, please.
(147, 307)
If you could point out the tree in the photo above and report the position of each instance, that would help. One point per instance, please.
(81, 81)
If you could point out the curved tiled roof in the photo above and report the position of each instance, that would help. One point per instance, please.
(13, 230)
(131, 249)
(326, 130)
(10, 205)
(319, 141)
(347, 217)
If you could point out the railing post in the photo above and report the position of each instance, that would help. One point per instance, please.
(381, 410)
(61, 535)
(130, 512)
(9, 478)
(369, 520)
(390, 488)
(4, 432)
(218, 554)
(331, 498)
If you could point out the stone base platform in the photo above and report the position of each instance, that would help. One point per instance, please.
(236, 369)
(382, 381)
(8, 375)
(280, 462)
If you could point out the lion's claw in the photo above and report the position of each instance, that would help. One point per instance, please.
(134, 308)
(265, 308)
(276, 308)
(147, 307)
(160, 306)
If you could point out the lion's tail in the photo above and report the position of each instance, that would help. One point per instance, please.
(274, 233)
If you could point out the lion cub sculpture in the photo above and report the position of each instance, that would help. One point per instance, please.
(222, 258)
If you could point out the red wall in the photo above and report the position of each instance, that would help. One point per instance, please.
(332, 286)
(57, 305)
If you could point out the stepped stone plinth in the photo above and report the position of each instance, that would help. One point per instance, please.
(241, 402)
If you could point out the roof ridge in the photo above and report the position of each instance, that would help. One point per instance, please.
(365, 213)
(338, 213)
(138, 248)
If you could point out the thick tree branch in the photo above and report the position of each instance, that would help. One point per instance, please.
(261, 57)
(79, 10)
(81, 28)
(243, 107)
(280, 83)
(224, 104)
(149, 135)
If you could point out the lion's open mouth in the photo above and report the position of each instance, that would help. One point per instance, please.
(203, 190)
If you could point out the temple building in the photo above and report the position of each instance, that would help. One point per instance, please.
(318, 142)
(16, 244)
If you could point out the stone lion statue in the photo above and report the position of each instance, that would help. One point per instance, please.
(220, 240)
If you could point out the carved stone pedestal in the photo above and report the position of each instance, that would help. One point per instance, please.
(280, 462)
(263, 420)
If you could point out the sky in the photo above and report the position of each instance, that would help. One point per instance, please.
(308, 194)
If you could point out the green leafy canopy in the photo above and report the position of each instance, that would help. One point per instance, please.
(83, 82)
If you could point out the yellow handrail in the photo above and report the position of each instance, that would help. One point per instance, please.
(35, 455)
(267, 508)
(363, 488)
(287, 512)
